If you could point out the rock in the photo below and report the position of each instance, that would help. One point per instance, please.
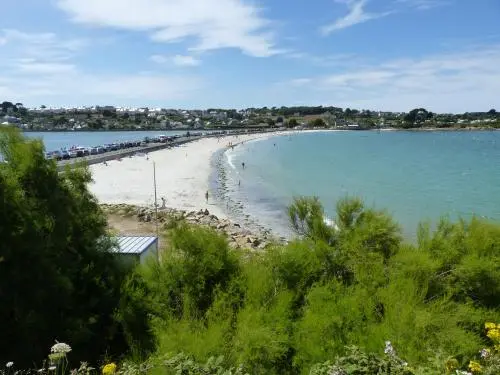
(241, 242)
(147, 218)
(237, 225)
(221, 226)
(256, 242)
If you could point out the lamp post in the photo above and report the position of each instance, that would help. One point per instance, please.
(156, 212)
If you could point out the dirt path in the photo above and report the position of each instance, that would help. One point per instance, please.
(130, 226)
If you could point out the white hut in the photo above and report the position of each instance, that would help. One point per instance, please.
(137, 248)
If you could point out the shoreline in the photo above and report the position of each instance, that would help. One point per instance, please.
(183, 175)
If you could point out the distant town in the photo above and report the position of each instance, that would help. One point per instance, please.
(107, 118)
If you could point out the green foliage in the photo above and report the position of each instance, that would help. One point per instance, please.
(357, 362)
(307, 219)
(182, 292)
(57, 278)
(324, 303)
(318, 123)
(292, 123)
(294, 307)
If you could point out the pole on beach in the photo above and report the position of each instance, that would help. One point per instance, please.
(156, 213)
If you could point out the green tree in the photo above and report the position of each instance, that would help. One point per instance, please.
(6, 106)
(292, 123)
(318, 123)
(58, 280)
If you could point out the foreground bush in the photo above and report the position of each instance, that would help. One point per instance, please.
(58, 280)
(357, 284)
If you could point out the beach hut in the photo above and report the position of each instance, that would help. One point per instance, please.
(136, 249)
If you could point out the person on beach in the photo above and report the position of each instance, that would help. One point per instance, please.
(206, 196)
(163, 202)
(239, 182)
(243, 164)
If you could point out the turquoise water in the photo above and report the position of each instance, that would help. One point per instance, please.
(57, 140)
(416, 176)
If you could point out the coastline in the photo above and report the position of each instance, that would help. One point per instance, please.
(183, 175)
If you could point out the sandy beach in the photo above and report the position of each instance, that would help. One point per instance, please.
(182, 175)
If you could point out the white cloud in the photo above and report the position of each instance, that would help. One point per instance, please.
(181, 60)
(356, 15)
(34, 67)
(298, 82)
(423, 4)
(42, 68)
(214, 24)
(178, 60)
(159, 59)
(459, 81)
(341, 59)
(79, 88)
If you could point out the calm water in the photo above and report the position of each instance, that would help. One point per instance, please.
(414, 175)
(57, 140)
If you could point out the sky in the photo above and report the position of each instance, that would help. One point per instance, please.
(389, 55)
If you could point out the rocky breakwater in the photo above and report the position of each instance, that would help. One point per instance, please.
(238, 236)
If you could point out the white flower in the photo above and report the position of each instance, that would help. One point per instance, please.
(389, 350)
(460, 372)
(60, 347)
(52, 368)
(484, 353)
(9, 364)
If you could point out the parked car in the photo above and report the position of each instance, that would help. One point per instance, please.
(49, 156)
(57, 155)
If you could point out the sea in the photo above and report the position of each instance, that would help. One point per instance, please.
(58, 140)
(415, 176)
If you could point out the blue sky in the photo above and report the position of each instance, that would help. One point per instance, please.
(443, 55)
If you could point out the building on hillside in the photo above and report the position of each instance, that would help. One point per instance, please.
(137, 249)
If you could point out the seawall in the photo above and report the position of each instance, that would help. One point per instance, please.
(113, 155)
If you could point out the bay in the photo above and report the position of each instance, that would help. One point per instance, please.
(415, 176)
(57, 140)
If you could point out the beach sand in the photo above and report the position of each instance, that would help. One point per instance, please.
(182, 176)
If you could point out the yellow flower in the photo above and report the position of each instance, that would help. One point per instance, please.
(474, 366)
(494, 334)
(451, 364)
(109, 369)
(489, 326)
